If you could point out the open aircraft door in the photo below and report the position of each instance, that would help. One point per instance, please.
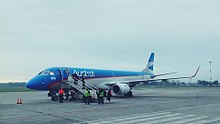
(64, 74)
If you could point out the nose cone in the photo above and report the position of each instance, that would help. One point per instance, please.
(35, 84)
(32, 84)
(28, 84)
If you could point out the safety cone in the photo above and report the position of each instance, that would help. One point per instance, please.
(17, 102)
(20, 101)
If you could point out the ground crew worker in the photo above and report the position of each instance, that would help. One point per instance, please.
(101, 95)
(87, 97)
(61, 91)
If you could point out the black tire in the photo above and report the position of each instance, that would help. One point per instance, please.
(49, 94)
(54, 98)
(129, 94)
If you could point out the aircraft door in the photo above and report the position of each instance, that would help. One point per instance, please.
(64, 74)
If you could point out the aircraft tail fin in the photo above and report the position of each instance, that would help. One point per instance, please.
(150, 65)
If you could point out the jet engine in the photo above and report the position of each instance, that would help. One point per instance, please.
(120, 89)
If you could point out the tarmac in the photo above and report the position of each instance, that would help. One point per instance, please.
(193, 105)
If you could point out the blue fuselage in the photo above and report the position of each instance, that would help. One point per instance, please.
(52, 78)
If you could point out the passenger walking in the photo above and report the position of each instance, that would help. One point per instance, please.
(109, 95)
(87, 97)
(61, 91)
(75, 78)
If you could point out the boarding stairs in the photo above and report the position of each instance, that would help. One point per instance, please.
(89, 86)
(80, 84)
(77, 87)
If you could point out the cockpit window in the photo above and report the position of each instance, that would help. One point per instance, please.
(44, 73)
(40, 73)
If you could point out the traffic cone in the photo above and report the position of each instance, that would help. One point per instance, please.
(20, 101)
(17, 102)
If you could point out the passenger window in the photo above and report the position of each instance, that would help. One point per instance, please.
(51, 73)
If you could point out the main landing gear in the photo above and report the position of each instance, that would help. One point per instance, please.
(129, 94)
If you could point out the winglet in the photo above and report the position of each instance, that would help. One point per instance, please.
(196, 72)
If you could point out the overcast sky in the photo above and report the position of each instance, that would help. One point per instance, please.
(109, 34)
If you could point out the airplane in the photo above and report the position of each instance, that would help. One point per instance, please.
(120, 82)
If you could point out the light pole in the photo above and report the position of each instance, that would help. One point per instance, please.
(210, 62)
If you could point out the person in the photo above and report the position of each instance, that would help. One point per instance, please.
(109, 95)
(76, 78)
(100, 95)
(87, 97)
(69, 78)
(61, 91)
(83, 81)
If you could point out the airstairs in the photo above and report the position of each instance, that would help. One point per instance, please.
(80, 84)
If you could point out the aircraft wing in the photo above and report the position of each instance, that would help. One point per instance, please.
(162, 74)
(132, 83)
(163, 79)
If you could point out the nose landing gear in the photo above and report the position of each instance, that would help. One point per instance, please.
(53, 95)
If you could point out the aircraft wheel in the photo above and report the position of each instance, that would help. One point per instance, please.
(54, 98)
(49, 94)
(130, 94)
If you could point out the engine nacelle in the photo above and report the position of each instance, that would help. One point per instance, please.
(120, 89)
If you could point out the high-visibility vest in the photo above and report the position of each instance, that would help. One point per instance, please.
(61, 91)
(87, 93)
(101, 94)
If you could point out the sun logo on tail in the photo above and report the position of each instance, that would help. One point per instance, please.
(150, 65)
